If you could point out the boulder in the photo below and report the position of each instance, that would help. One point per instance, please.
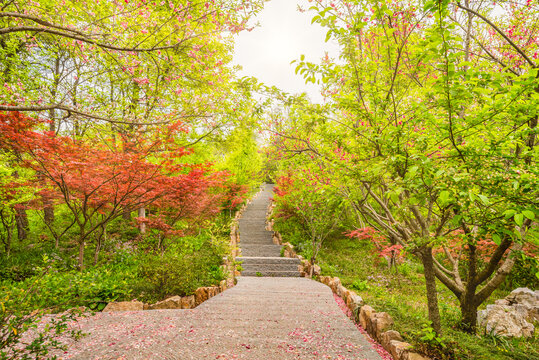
(416, 356)
(307, 268)
(222, 285)
(365, 315)
(504, 320)
(341, 290)
(356, 300)
(381, 322)
(524, 296)
(335, 284)
(513, 316)
(188, 302)
(124, 306)
(201, 295)
(386, 337)
(316, 270)
(399, 349)
(174, 302)
(527, 298)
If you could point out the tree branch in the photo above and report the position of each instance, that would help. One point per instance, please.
(515, 46)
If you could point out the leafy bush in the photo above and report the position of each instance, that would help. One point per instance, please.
(58, 289)
(16, 318)
(190, 263)
(360, 285)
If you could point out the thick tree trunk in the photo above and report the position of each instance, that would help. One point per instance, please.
(468, 310)
(48, 212)
(21, 219)
(432, 294)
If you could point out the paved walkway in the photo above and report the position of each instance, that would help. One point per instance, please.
(260, 318)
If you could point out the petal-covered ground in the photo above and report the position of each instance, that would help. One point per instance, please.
(260, 318)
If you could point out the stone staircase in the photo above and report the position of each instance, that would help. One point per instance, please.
(260, 256)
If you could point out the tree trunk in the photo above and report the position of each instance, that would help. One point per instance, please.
(82, 244)
(468, 310)
(48, 212)
(142, 214)
(8, 226)
(99, 244)
(21, 219)
(432, 294)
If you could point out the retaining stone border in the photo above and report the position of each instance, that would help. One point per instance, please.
(376, 324)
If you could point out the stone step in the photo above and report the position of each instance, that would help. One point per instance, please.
(271, 273)
(258, 250)
(256, 240)
(263, 268)
(260, 229)
(254, 231)
(268, 260)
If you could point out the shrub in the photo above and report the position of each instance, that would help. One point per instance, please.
(178, 272)
(16, 318)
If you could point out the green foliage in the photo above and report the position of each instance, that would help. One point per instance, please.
(242, 158)
(180, 270)
(59, 289)
(360, 285)
(525, 273)
(17, 317)
(428, 335)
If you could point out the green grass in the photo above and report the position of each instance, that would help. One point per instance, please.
(402, 295)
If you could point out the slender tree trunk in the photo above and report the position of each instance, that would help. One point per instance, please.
(82, 244)
(21, 218)
(48, 209)
(142, 214)
(432, 294)
(9, 234)
(9, 240)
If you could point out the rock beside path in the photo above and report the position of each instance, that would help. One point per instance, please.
(124, 306)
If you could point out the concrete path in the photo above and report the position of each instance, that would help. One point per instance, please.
(260, 318)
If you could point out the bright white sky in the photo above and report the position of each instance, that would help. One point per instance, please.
(283, 35)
